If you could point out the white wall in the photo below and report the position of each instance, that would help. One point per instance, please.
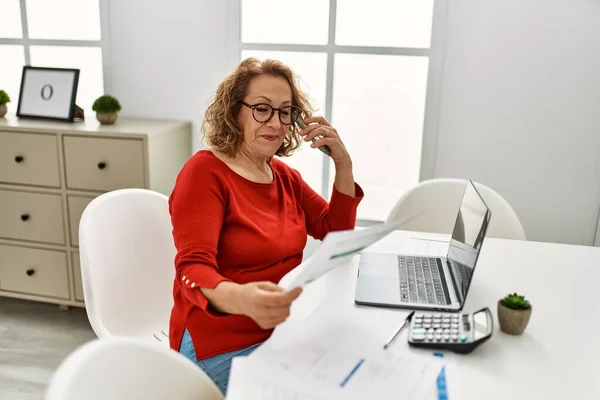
(520, 104)
(520, 109)
(167, 58)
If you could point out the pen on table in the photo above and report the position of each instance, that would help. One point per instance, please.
(406, 322)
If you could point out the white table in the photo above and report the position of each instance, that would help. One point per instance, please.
(557, 357)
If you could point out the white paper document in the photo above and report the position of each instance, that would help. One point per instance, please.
(335, 249)
(246, 382)
(336, 354)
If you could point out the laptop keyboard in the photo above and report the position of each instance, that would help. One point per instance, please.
(422, 281)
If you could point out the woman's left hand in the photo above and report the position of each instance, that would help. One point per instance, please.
(319, 126)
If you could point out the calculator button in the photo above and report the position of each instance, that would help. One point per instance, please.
(431, 330)
(418, 338)
(463, 338)
(438, 336)
(437, 315)
(455, 331)
(455, 318)
(446, 330)
(446, 337)
(439, 330)
(454, 325)
(431, 337)
(419, 331)
(455, 337)
(426, 326)
(437, 326)
(445, 325)
(446, 318)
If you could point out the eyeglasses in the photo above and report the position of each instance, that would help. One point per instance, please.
(263, 112)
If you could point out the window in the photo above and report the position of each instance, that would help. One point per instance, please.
(371, 70)
(57, 34)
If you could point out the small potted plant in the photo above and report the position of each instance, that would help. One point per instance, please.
(3, 100)
(107, 108)
(513, 314)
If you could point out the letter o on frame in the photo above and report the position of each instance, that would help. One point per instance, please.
(47, 92)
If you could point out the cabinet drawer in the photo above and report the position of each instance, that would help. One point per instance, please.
(34, 271)
(31, 216)
(76, 206)
(77, 277)
(29, 159)
(103, 164)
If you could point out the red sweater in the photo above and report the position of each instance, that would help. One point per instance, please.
(227, 228)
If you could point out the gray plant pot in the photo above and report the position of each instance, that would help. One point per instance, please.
(3, 110)
(106, 118)
(512, 321)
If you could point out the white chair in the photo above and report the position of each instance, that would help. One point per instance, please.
(127, 254)
(441, 198)
(126, 368)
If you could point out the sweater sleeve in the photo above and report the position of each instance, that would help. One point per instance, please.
(197, 206)
(322, 217)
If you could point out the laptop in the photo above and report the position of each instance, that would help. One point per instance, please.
(428, 283)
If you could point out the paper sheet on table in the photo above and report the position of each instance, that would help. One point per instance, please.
(335, 355)
(246, 382)
(335, 249)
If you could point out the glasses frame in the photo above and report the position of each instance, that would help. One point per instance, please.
(273, 109)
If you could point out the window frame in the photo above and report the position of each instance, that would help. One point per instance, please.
(435, 54)
(103, 43)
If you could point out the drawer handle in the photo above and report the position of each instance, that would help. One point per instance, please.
(101, 165)
(19, 159)
(24, 217)
(30, 271)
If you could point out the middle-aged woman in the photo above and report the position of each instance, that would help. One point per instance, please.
(241, 216)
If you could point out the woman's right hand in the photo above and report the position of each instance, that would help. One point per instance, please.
(266, 303)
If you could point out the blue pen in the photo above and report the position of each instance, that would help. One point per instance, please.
(442, 387)
(356, 367)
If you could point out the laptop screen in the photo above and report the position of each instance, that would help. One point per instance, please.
(467, 237)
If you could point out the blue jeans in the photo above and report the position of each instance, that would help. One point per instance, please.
(216, 367)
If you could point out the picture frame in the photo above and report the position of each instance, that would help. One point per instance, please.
(48, 93)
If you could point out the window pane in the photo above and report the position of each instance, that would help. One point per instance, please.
(285, 21)
(10, 19)
(11, 69)
(87, 59)
(63, 19)
(380, 120)
(386, 23)
(311, 69)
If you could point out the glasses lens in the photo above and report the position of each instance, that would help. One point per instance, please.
(262, 112)
(289, 115)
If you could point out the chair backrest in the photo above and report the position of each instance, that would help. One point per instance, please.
(441, 198)
(126, 368)
(127, 255)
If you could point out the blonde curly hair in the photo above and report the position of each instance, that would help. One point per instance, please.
(221, 127)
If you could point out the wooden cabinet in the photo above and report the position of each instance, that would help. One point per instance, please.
(49, 173)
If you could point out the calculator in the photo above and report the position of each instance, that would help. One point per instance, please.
(460, 333)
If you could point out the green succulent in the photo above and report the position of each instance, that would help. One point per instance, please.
(4, 97)
(106, 104)
(516, 302)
